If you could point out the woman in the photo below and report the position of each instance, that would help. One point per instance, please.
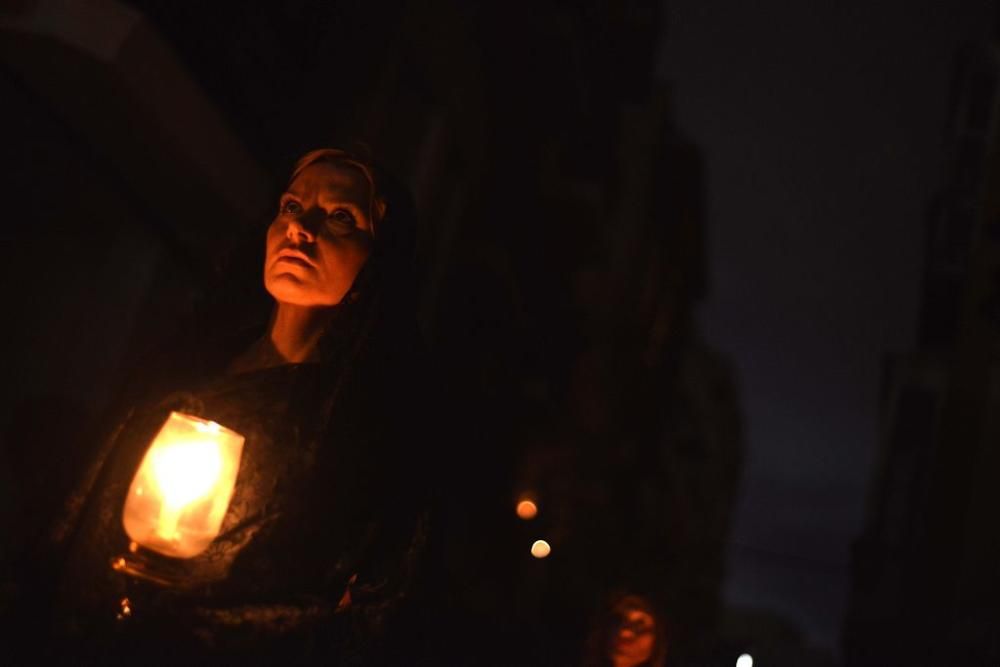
(325, 526)
(629, 633)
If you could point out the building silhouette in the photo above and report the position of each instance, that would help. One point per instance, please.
(924, 576)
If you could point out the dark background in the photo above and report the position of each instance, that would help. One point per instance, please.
(711, 280)
(823, 127)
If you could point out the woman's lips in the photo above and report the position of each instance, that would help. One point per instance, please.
(295, 260)
(294, 257)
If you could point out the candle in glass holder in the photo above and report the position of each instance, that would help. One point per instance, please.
(180, 494)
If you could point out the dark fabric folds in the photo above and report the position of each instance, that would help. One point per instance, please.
(325, 530)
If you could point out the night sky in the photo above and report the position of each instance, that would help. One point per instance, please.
(823, 128)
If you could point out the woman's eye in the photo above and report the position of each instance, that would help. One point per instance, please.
(342, 218)
(291, 207)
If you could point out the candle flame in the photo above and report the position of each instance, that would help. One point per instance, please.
(185, 471)
(527, 509)
(540, 549)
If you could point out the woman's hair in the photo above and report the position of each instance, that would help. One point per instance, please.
(606, 624)
(377, 204)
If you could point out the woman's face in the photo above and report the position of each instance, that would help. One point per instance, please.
(632, 640)
(320, 238)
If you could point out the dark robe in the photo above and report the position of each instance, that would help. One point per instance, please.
(325, 529)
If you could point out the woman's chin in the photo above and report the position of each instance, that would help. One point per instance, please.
(294, 292)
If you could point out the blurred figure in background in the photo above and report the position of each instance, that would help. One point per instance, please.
(628, 632)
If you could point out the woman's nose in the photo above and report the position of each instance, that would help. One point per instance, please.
(300, 231)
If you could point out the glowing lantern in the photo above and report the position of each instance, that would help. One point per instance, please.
(182, 489)
(527, 509)
(540, 549)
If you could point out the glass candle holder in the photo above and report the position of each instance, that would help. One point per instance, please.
(181, 491)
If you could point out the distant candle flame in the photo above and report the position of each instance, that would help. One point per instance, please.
(527, 509)
(182, 489)
(540, 549)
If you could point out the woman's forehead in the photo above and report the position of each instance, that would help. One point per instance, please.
(331, 179)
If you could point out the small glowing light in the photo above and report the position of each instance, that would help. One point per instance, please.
(527, 509)
(207, 427)
(745, 660)
(540, 549)
(126, 609)
(182, 489)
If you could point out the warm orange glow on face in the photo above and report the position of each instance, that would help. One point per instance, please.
(632, 643)
(540, 549)
(527, 509)
(320, 238)
(182, 489)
